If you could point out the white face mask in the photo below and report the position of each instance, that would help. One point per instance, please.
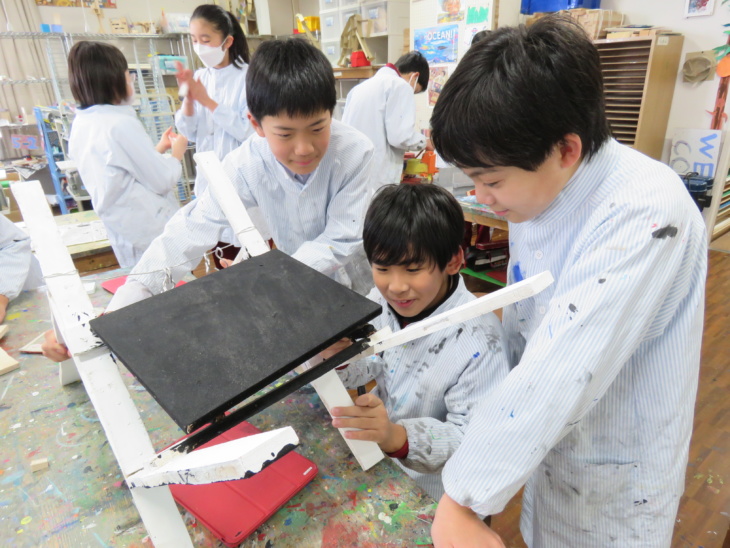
(414, 84)
(211, 56)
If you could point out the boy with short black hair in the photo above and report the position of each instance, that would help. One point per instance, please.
(309, 176)
(383, 108)
(596, 416)
(427, 389)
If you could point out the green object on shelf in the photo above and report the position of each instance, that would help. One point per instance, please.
(5, 184)
(483, 276)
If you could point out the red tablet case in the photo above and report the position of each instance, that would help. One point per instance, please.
(115, 283)
(232, 510)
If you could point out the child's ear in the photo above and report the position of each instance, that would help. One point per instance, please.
(571, 150)
(456, 262)
(256, 126)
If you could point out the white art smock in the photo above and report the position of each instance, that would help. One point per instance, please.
(596, 416)
(384, 108)
(132, 186)
(318, 223)
(227, 126)
(19, 269)
(432, 385)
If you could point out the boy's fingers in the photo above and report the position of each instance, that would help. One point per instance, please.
(351, 411)
(364, 435)
(368, 400)
(361, 423)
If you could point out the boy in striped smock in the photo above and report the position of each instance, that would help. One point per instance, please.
(596, 416)
(427, 389)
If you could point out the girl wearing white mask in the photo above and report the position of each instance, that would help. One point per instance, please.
(214, 113)
(131, 184)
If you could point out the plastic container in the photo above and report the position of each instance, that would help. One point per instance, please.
(330, 25)
(332, 51)
(345, 14)
(377, 13)
(312, 23)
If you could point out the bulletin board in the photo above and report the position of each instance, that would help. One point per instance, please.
(443, 30)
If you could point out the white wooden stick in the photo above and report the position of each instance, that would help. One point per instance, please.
(334, 394)
(117, 413)
(232, 460)
(488, 303)
(225, 194)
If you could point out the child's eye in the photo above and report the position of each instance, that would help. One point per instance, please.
(414, 269)
(283, 136)
(491, 185)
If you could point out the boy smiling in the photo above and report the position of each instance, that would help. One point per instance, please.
(427, 389)
(309, 176)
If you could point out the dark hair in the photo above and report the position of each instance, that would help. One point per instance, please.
(414, 61)
(97, 74)
(289, 76)
(408, 224)
(517, 93)
(225, 22)
(479, 36)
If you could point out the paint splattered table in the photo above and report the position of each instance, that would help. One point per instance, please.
(81, 499)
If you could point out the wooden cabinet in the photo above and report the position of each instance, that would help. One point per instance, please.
(639, 76)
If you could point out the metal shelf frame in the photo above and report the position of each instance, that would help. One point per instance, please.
(156, 108)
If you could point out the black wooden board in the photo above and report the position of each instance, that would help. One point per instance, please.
(203, 347)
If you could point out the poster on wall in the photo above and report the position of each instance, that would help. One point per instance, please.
(451, 12)
(477, 11)
(695, 8)
(436, 80)
(438, 44)
(695, 150)
(76, 3)
(469, 33)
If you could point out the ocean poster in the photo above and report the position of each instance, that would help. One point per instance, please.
(438, 44)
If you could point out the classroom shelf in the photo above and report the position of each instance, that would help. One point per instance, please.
(638, 79)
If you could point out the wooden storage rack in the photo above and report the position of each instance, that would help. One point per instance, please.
(639, 75)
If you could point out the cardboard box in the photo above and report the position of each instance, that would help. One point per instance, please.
(595, 22)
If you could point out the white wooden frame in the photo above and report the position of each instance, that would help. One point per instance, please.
(72, 310)
(329, 387)
(128, 438)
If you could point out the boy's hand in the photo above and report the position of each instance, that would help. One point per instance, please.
(370, 417)
(457, 526)
(52, 349)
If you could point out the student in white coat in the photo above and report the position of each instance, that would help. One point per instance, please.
(596, 415)
(308, 174)
(427, 390)
(384, 109)
(19, 270)
(214, 113)
(131, 184)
